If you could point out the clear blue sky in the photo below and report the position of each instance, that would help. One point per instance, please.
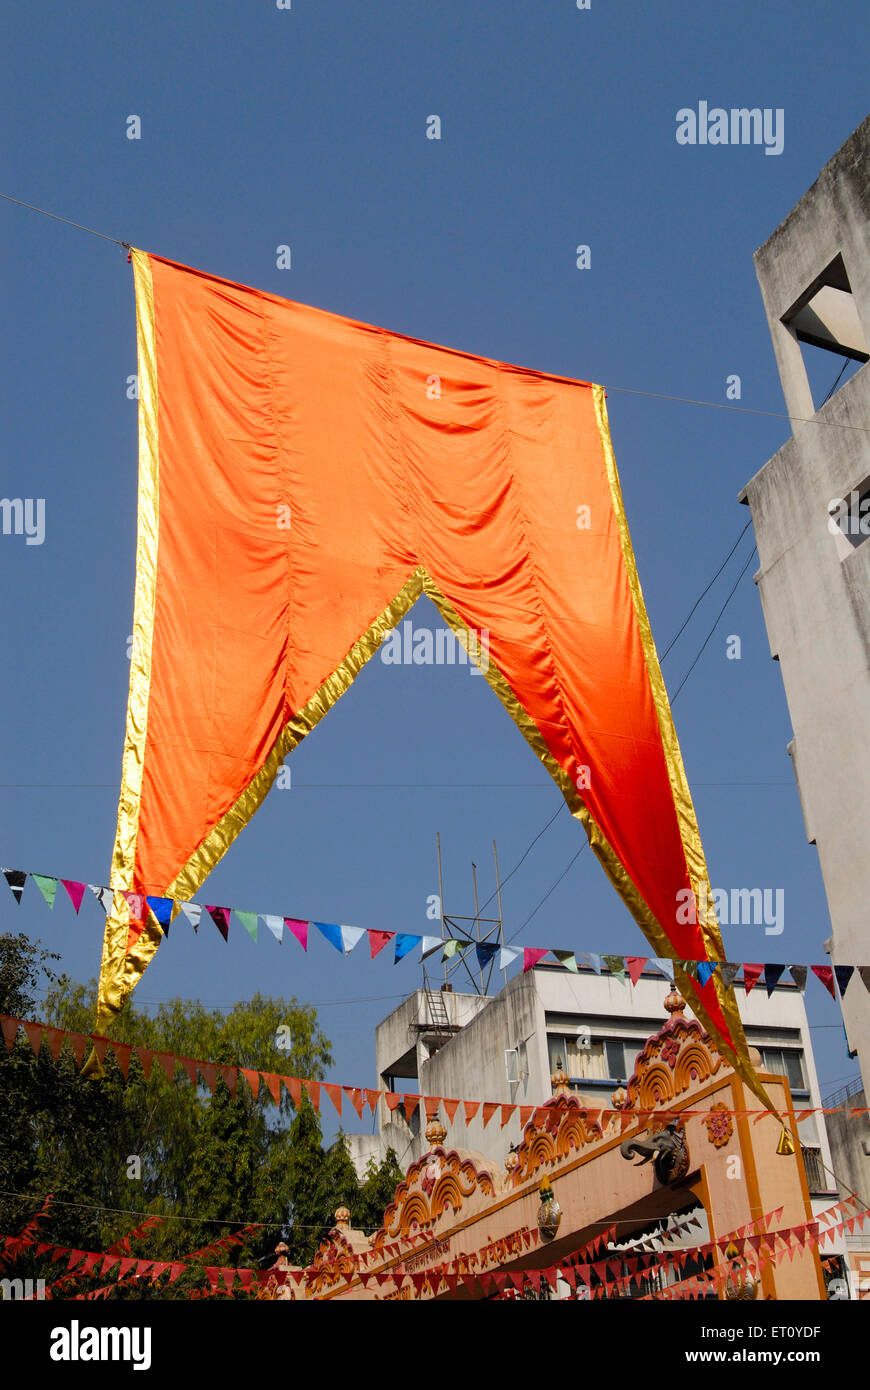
(307, 127)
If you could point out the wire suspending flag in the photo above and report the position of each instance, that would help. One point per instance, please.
(301, 484)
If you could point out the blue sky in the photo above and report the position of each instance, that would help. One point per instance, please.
(307, 127)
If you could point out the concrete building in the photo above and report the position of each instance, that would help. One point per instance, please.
(584, 1030)
(810, 507)
(592, 1042)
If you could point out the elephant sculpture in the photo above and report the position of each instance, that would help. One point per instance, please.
(667, 1150)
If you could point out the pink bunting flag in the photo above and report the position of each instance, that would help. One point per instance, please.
(221, 918)
(299, 930)
(531, 956)
(76, 891)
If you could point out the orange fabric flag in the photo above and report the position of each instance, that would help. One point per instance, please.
(304, 478)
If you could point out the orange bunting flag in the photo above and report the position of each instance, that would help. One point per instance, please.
(300, 487)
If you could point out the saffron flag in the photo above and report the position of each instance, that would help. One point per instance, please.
(300, 486)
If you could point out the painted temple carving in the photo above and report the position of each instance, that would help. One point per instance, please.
(455, 1216)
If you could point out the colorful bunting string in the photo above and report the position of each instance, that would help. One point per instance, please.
(344, 938)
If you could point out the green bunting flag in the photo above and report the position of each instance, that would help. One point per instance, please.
(47, 887)
(248, 921)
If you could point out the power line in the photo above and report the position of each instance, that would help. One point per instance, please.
(69, 223)
(715, 625)
(704, 592)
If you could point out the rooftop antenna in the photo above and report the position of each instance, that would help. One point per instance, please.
(486, 929)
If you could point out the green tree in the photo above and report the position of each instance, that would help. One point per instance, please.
(113, 1150)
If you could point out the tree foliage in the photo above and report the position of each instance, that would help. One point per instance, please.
(115, 1150)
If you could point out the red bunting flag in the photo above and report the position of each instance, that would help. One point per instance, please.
(634, 965)
(378, 940)
(334, 1093)
(751, 974)
(826, 975)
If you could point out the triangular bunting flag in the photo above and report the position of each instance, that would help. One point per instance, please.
(453, 946)
(350, 936)
(76, 892)
(799, 975)
(864, 972)
(616, 966)
(313, 1089)
(844, 974)
(728, 970)
(334, 1093)
(450, 1109)
(122, 1052)
(162, 909)
(193, 913)
(299, 929)
(568, 960)
(826, 975)
(167, 1062)
(410, 1104)
(489, 1109)
(146, 1059)
(10, 1028)
(706, 968)
(249, 922)
(47, 887)
(104, 896)
(253, 1080)
(772, 976)
(531, 956)
(429, 945)
(378, 940)
(332, 932)
(634, 965)
(751, 974)
(506, 1113)
(16, 878)
(273, 1084)
(221, 918)
(665, 966)
(471, 1109)
(506, 957)
(34, 1035)
(405, 942)
(275, 925)
(485, 950)
(355, 1096)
